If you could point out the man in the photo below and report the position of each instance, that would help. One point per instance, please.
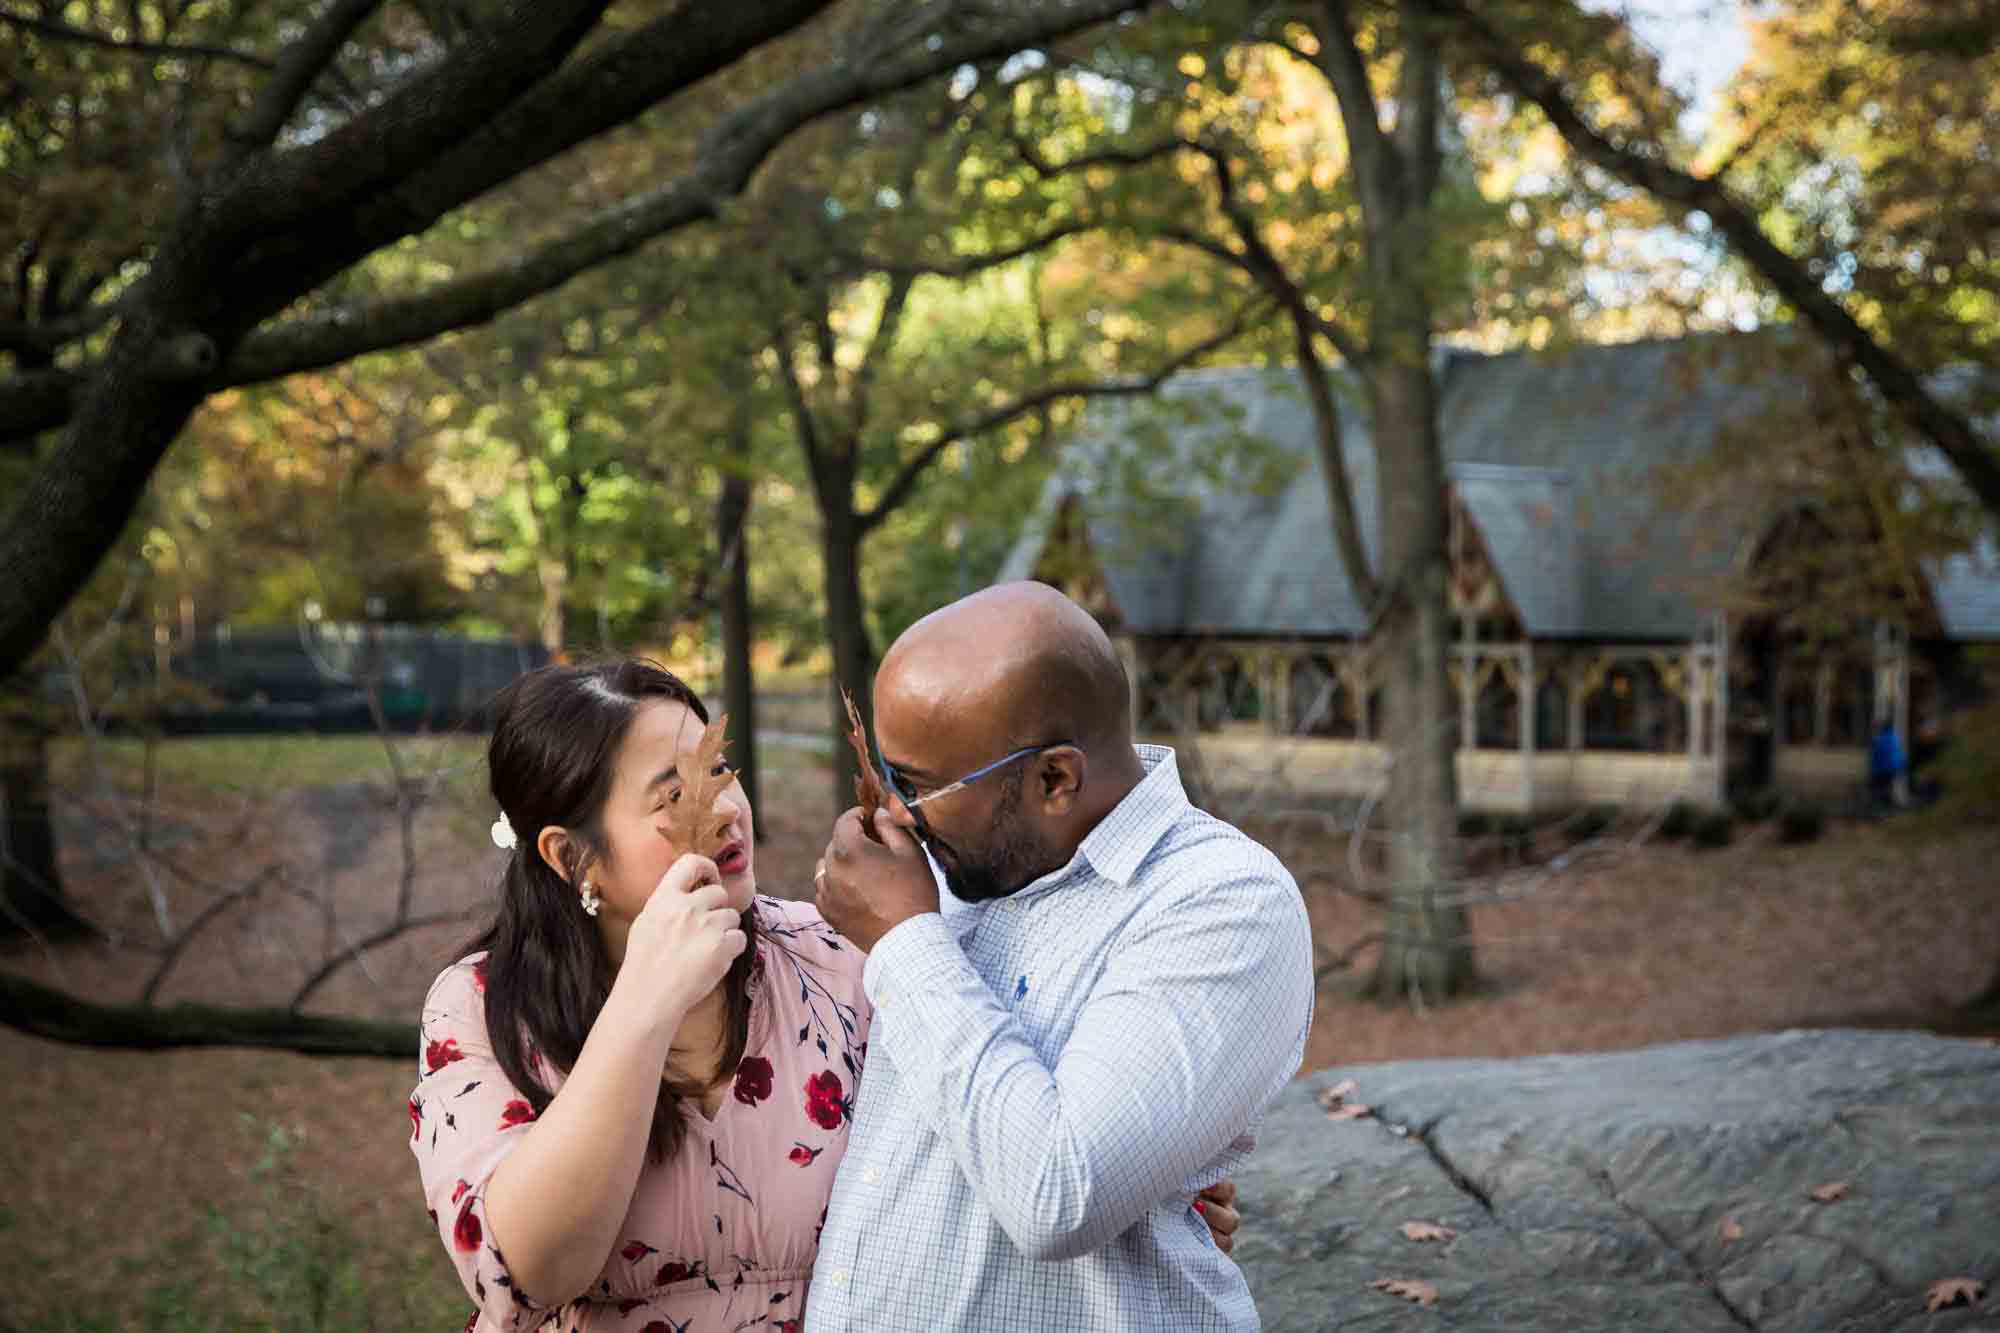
(1057, 1065)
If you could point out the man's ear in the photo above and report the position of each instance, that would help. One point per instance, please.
(1059, 778)
(553, 845)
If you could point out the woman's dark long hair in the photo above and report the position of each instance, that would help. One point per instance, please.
(556, 735)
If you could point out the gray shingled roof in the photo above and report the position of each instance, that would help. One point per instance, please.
(1553, 455)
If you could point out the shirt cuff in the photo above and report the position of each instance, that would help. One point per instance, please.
(913, 954)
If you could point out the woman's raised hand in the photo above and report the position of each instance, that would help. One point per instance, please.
(686, 936)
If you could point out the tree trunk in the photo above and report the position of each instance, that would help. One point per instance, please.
(847, 632)
(1427, 949)
(739, 692)
(31, 889)
(39, 1011)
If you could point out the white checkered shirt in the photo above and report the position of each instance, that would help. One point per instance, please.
(1052, 1076)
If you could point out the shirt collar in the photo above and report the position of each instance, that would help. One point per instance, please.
(1126, 836)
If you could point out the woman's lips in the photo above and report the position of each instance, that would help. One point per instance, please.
(732, 859)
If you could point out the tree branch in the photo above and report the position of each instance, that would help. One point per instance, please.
(302, 62)
(1340, 60)
(879, 348)
(912, 471)
(40, 1011)
(963, 266)
(63, 32)
(1951, 432)
(1418, 147)
(423, 117)
(395, 929)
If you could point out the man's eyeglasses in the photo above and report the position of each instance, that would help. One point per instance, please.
(908, 793)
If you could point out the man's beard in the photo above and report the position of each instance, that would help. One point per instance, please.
(1015, 859)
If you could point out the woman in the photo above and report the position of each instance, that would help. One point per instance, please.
(636, 1089)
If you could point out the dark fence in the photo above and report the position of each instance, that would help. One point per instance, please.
(319, 677)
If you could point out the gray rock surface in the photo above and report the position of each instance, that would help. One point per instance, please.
(1598, 1191)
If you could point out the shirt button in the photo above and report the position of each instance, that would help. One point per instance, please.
(871, 1176)
(838, 1277)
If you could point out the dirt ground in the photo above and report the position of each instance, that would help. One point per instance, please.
(133, 1179)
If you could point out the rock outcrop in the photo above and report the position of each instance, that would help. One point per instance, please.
(1670, 1189)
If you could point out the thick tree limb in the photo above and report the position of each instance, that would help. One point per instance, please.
(76, 502)
(303, 61)
(912, 471)
(1898, 382)
(64, 32)
(40, 1011)
(422, 117)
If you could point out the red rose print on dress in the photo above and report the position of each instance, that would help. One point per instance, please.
(479, 974)
(824, 1103)
(460, 1190)
(416, 1119)
(635, 1250)
(516, 1112)
(673, 1272)
(466, 1234)
(753, 1080)
(800, 1155)
(441, 1053)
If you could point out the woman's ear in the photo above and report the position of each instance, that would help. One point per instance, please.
(553, 844)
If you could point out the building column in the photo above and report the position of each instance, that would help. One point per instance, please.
(1822, 701)
(1278, 692)
(1526, 688)
(1577, 684)
(1718, 705)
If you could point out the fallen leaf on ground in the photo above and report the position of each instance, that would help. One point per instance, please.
(1423, 1293)
(1954, 1291)
(1334, 1102)
(1831, 1192)
(1732, 1229)
(1427, 1231)
(869, 793)
(691, 826)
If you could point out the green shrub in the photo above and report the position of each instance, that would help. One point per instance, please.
(1755, 807)
(1679, 821)
(1591, 821)
(1714, 828)
(1801, 823)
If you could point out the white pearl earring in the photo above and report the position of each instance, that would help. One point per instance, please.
(591, 899)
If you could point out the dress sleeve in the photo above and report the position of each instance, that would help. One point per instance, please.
(465, 1117)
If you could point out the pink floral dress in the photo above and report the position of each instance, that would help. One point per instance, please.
(723, 1234)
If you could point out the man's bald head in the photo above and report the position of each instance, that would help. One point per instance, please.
(1031, 662)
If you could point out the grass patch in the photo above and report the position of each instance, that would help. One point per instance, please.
(278, 1259)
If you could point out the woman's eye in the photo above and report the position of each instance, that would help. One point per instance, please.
(722, 770)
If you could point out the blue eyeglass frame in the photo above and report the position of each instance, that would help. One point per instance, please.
(896, 781)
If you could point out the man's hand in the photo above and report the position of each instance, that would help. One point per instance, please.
(1217, 1206)
(866, 888)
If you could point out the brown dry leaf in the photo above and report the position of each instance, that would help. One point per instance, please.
(1427, 1231)
(690, 824)
(1732, 1229)
(1831, 1192)
(869, 793)
(1954, 1291)
(1409, 1289)
(1334, 1102)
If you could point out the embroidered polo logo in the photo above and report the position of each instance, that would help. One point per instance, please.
(1021, 989)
